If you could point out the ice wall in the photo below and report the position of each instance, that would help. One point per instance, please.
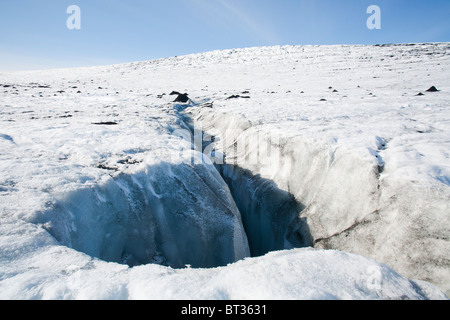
(169, 214)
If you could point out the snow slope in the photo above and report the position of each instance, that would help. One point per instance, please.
(97, 185)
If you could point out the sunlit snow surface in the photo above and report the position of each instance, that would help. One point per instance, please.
(93, 180)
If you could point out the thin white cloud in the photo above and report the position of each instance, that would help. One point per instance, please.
(224, 11)
(249, 21)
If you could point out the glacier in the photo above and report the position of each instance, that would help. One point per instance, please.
(323, 175)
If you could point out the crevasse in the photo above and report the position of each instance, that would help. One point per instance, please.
(169, 214)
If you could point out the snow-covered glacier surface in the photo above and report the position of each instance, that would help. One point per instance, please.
(106, 193)
(126, 196)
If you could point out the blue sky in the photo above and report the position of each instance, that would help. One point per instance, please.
(33, 33)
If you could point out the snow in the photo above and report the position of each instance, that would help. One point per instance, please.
(103, 198)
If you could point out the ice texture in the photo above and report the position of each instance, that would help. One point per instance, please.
(170, 214)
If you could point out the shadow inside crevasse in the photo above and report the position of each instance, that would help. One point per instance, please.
(271, 216)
